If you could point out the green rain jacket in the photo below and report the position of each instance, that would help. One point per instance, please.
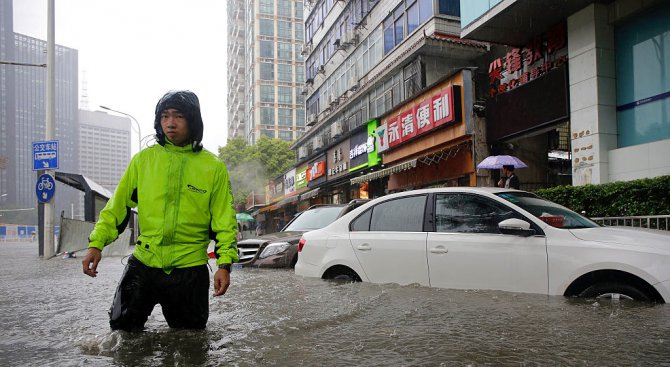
(183, 198)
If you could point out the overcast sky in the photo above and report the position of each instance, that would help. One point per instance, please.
(132, 51)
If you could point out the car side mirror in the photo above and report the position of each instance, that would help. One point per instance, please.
(516, 227)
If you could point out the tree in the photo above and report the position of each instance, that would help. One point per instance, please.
(251, 166)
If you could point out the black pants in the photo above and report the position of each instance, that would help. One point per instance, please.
(183, 296)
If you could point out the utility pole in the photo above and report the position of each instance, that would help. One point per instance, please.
(50, 124)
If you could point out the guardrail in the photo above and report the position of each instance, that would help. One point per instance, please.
(661, 222)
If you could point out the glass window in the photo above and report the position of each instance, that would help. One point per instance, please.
(315, 218)
(267, 7)
(463, 213)
(286, 135)
(267, 116)
(269, 133)
(388, 35)
(547, 211)
(267, 71)
(284, 51)
(362, 223)
(284, 8)
(450, 7)
(425, 10)
(399, 215)
(285, 95)
(412, 18)
(285, 116)
(284, 72)
(298, 9)
(267, 93)
(266, 27)
(283, 29)
(299, 117)
(642, 49)
(299, 31)
(267, 49)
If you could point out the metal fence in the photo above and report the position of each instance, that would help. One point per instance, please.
(643, 221)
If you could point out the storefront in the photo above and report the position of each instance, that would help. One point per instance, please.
(527, 108)
(426, 141)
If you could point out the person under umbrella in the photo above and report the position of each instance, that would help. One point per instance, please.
(509, 179)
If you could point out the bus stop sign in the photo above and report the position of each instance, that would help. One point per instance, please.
(45, 155)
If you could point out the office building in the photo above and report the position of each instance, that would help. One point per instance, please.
(23, 114)
(104, 147)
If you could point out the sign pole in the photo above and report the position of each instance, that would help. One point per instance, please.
(49, 249)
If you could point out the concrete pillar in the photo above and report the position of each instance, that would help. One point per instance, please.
(593, 125)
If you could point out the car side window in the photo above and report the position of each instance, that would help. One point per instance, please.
(463, 213)
(362, 223)
(399, 215)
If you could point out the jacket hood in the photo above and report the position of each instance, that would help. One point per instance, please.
(187, 103)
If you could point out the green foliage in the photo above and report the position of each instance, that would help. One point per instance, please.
(251, 166)
(275, 155)
(649, 196)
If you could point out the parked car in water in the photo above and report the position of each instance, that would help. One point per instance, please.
(488, 238)
(280, 250)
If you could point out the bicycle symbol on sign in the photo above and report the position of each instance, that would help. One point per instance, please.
(45, 184)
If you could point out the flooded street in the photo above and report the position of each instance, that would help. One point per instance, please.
(53, 315)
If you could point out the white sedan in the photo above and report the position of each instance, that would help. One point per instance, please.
(488, 238)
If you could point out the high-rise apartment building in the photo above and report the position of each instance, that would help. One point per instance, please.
(265, 69)
(104, 146)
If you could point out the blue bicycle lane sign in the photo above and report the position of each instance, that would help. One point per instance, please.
(45, 188)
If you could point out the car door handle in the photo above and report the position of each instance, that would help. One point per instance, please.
(438, 250)
(364, 247)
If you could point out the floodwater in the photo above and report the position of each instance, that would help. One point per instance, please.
(53, 315)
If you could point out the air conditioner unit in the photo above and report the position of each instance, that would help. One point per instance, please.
(336, 129)
(352, 37)
(302, 152)
(306, 49)
(311, 119)
(332, 100)
(353, 83)
(321, 69)
(304, 91)
(317, 142)
(336, 43)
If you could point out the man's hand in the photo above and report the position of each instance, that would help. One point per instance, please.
(91, 261)
(221, 282)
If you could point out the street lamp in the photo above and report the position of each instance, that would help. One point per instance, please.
(139, 131)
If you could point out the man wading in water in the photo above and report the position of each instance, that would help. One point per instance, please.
(184, 200)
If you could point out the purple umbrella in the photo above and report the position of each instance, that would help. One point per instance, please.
(498, 161)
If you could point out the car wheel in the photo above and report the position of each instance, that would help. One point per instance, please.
(343, 275)
(610, 290)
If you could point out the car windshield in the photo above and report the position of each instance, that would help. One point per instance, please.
(314, 218)
(547, 211)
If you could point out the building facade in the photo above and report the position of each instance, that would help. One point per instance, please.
(266, 71)
(104, 147)
(603, 75)
(390, 89)
(23, 115)
(237, 74)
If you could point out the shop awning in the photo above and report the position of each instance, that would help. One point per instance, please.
(385, 172)
(287, 200)
(309, 194)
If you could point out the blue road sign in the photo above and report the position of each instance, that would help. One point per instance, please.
(45, 155)
(45, 188)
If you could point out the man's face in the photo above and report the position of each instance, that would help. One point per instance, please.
(175, 127)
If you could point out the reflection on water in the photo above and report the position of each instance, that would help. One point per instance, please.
(51, 314)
